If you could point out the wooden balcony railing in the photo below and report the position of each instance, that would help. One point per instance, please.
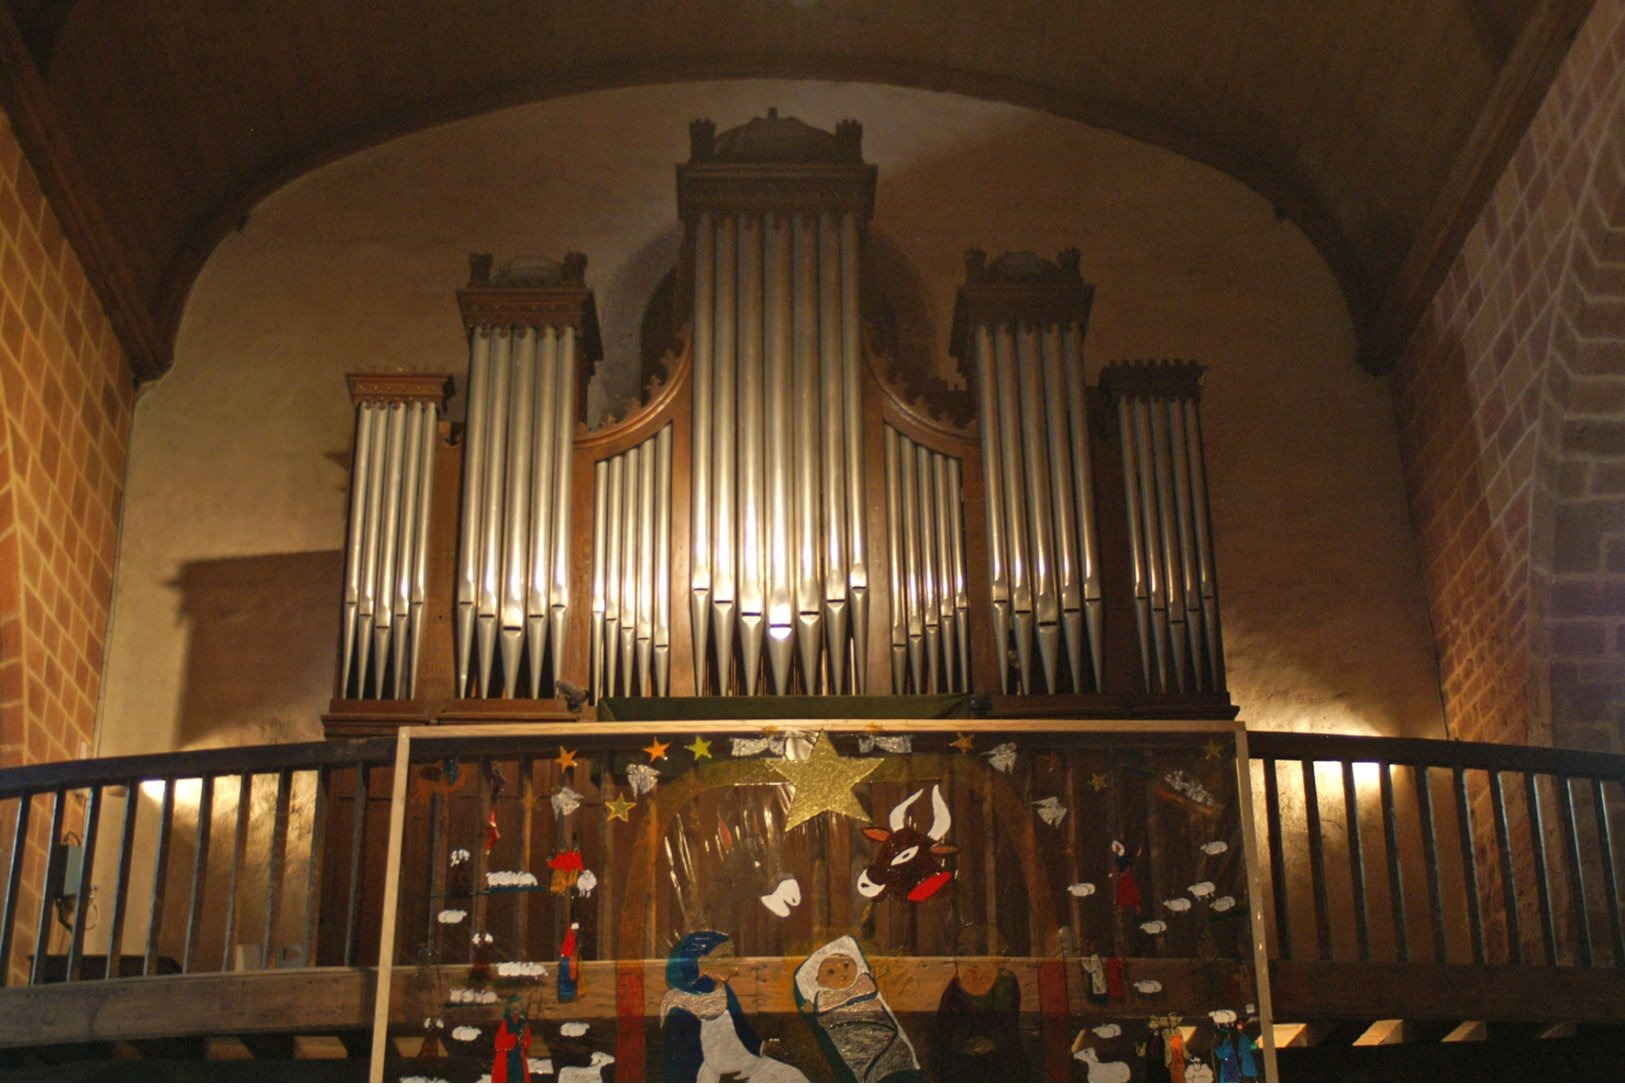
(1400, 878)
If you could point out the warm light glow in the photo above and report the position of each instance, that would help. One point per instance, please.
(187, 792)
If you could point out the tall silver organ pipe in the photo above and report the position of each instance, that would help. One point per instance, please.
(630, 639)
(530, 327)
(1018, 330)
(930, 643)
(1165, 483)
(778, 569)
(386, 549)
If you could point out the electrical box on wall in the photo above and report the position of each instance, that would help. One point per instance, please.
(66, 861)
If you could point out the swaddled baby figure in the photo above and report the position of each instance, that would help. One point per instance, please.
(857, 1031)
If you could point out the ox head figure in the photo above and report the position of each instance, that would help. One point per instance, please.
(910, 863)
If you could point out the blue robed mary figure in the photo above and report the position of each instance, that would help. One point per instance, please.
(703, 1031)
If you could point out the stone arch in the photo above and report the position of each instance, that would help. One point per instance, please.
(1577, 506)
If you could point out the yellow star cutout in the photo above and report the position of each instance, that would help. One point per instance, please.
(566, 759)
(823, 781)
(964, 743)
(1097, 782)
(1212, 749)
(701, 747)
(619, 808)
(656, 750)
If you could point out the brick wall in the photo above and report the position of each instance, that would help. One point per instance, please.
(65, 402)
(1484, 411)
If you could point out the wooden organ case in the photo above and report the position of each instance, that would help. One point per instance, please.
(788, 510)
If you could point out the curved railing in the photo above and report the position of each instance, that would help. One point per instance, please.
(1402, 878)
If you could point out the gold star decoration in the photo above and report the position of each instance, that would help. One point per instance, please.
(701, 747)
(566, 759)
(656, 750)
(1097, 782)
(619, 808)
(1212, 749)
(822, 782)
(964, 743)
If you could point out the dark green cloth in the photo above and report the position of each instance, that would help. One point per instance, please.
(789, 707)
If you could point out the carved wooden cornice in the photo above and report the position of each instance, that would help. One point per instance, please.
(1018, 287)
(775, 189)
(566, 303)
(1161, 378)
(433, 389)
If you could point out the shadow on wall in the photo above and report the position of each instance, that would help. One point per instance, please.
(262, 648)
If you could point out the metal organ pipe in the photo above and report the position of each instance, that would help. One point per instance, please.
(516, 507)
(1012, 457)
(752, 586)
(832, 449)
(894, 564)
(468, 561)
(544, 491)
(778, 310)
(365, 414)
(804, 382)
(371, 528)
(699, 578)
(405, 549)
(428, 427)
(993, 472)
(856, 513)
(1083, 492)
(564, 427)
(661, 649)
(494, 462)
(724, 424)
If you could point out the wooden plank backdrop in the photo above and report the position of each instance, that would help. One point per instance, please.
(703, 848)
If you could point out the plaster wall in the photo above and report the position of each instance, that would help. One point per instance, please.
(228, 582)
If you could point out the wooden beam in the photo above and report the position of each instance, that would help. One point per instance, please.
(1474, 1030)
(63, 180)
(1500, 994)
(1512, 103)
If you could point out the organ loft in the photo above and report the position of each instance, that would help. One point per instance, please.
(787, 510)
(776, 634)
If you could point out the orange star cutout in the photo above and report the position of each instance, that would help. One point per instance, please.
(656, 750)
(964, 743)
(566, 759)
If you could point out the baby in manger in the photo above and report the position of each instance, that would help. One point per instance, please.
(856, 1029)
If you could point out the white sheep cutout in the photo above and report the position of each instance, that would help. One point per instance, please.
(1099, 1072)
(592, 1073)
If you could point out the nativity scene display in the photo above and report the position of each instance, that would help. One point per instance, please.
(820, 904)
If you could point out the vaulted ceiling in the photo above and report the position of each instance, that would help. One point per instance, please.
(1378, 126)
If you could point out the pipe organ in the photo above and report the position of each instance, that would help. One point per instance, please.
(788, 509)
(1176, 593)
(386, 547)
(530, 328)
